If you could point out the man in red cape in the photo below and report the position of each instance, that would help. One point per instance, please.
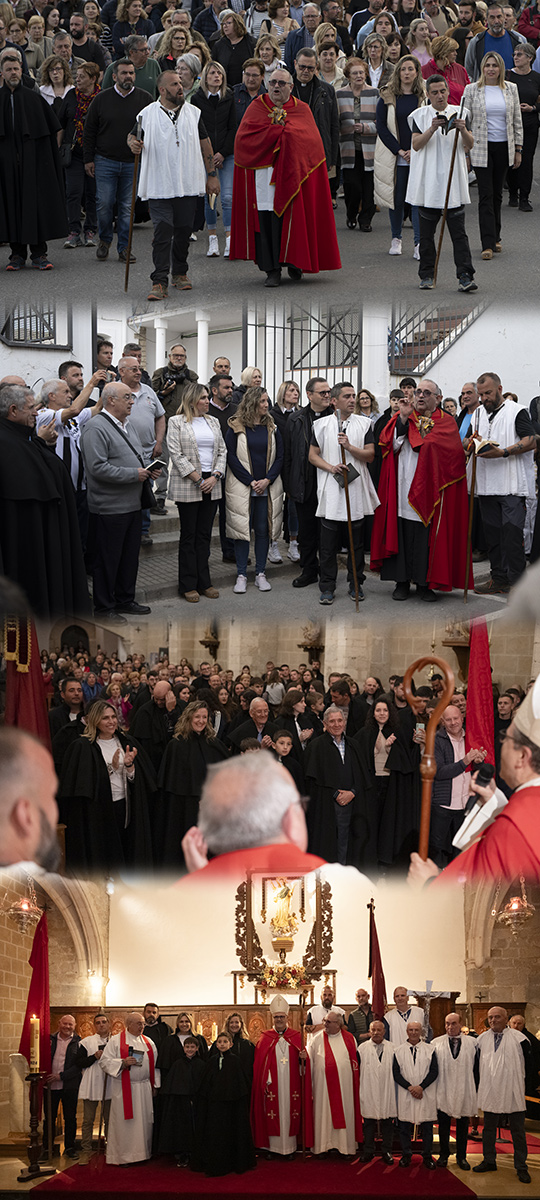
(282, 209)
(279, 1091)
(336, 1100)
(425, 476)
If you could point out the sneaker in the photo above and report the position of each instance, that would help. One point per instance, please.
(159, 292)
(487, 255)
(123, 256)
(293, 552)
(102, 251)
(213, 247)
(326, 598)
(42, 264)
(513, 202)
(262, 583)
(241, 584)
(227, 250)
(426, 284)
(193, 237)
(191, 597)
(467, 284)
(524, 205)
(146, 540)
(491, 588)
(396, 246)
(73, 241)
(15, 263)
(182, 282)
(273, 554)
(416, 252)
(361, 595)
(89, 238)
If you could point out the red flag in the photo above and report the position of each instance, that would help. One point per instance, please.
(480, 731)
(38, 997)
(25, 692)
(375, 968)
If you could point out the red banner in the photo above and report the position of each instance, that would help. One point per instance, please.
(38, 998)
(479, 731)
(26, 706)
(375, 969)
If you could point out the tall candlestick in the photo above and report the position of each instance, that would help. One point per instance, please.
(34, 1044)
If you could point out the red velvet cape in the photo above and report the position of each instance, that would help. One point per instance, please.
(438, 494)
(264, 1097)
(508, 848)
(334, 1087)
(302, 192)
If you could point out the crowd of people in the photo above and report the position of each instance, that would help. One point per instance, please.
(168, 1093)
(133, 746)
(329, 472)
(268, 107)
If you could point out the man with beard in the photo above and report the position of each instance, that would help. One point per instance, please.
(155, 1027)
(276, 1097)
(177, 167)
(317, 1014)
(29, 214)
(153, 723)
(28, 810)
(419, 531)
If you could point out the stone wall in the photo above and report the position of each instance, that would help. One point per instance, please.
(15, 974)
(511, 967)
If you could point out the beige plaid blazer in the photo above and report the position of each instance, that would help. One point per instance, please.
(184, 458)
(475, 100)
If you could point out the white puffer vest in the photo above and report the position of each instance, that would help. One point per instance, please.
(238, 494)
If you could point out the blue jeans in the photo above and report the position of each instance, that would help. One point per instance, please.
(396, 213)
(114, 183)
(258, 522)
(225, 174)
(292, 518)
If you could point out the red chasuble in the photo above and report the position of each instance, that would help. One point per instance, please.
(127, 1098)
(508, 848)
(334, 1086)
(293, 147)
(264, 1095)
(438, 494)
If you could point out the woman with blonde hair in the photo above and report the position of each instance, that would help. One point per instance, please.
(357, 104)
(129, 19)
(197, 466)
(269, 52)
(497, 128)
(216, 103)
(253, 487)
(366, 405)
(404, 93)
(445, 52)
(419, 40)
(325, 32)
(250, 377)
(192, 749)
(175, 41)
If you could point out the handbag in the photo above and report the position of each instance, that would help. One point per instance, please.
(148, 500)
(66, 154)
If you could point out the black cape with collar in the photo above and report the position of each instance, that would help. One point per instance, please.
(150, 726)
(32, 203)
(223, 1141)
(181, 777)
(326, 774)
(244, 1051)
(93, 841)
(40, 543)
(248, 729)
(175, 1107)
(171, 1050)
(63, 741)
(397, 822)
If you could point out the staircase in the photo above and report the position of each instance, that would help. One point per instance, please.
(419, 338)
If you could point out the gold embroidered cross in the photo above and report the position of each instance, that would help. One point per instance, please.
(278, 116)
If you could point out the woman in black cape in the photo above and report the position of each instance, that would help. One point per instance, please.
(175, 1130)
(182, 774)
(241, 1045)
(393, 798)
(105, 834)
(223, 1141)
(294, 716)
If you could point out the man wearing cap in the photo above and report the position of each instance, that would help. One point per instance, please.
(278, 1087)
(456, 1089)
(337, 1124)
(377, 1092)
(503, 1055)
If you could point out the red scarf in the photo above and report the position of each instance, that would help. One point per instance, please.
(334, 1086)
(126, 1078)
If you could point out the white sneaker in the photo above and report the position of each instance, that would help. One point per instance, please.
(193, 237)
(273, 554)
(262, 583)
(213, 247)
(395, 248)
(293, 552)
(416, 253)
(227, 249)
(241, 584)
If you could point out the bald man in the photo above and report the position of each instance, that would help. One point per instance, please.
(28, 809)
(451, 784)
(153, 724)
(415, 1071)
(456, 1089)
(131, 1120)
(503, 1055)
(63, 1084)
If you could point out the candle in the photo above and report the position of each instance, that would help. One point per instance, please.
(34, 1044)
(214, 1031)
(199, 1027)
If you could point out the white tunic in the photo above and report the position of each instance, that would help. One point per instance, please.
(502, 1072)
(129, 1141)
(456, 1089)
(362, 495)
(92, 1081)
(171, 162)
(408, 1108)
(397, 1023)
(407, 464)
(430, 167)
(377, 1086)
(512, 476)
(284, 1144)
(325, 1136)
(318, 1012)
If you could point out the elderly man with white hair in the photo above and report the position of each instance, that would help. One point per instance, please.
(456, 1088)
(502, 1057)
(377, 1092)
(130, 1059)
(337, 1123)
(68, 417)
(415, 1070)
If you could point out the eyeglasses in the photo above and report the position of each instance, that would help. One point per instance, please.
(278, 83)
(423, 392)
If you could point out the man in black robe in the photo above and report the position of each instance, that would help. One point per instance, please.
(338, 823)
(154, 722)
(40, 544)
(155, 1027)
(257, 726)
(71, 705)
(32, 204)
(340, 695)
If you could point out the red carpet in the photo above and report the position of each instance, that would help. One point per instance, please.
(329, 1177)
(506, 1147)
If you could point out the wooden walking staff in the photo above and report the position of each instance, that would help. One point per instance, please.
(471, 513)
(428, 766)
(138, 132)
(349, 520)
(447, 197)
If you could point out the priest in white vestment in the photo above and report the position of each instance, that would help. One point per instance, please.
(397, 1019)
(377, 1092)
(94, 1089)
(130, 1059)
(456, 1088)
(415, 1072)
(336, 1104)
(502, 1055)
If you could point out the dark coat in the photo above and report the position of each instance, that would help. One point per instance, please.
(172, 400)
(299, 476)
(323, 105)
(71, 1075)
(397, 817)
(180, 780)
(32, 204)
(248, 729)
(154, 728)
(232, 58)
(242, 98)
(447, 769)
(327, 774)
(223, 1141)
(219, 119)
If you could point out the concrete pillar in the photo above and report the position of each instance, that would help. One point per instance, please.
(161, 326)
(376, 321)
(203, 322)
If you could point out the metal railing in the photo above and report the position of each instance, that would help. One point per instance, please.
(298, 342)
(418, 338)
(37, 325)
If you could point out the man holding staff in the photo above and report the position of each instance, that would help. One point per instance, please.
(279, 1091)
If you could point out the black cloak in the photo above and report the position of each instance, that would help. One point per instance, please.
(223, 1141)
(40, 543)
(396, 821)
(326, 774)
(175, 1125)
(93, 840)
(171, 1050)
(32, 203)
(248, 729)
(151, 725)
(244, 1051)
(181, 777)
